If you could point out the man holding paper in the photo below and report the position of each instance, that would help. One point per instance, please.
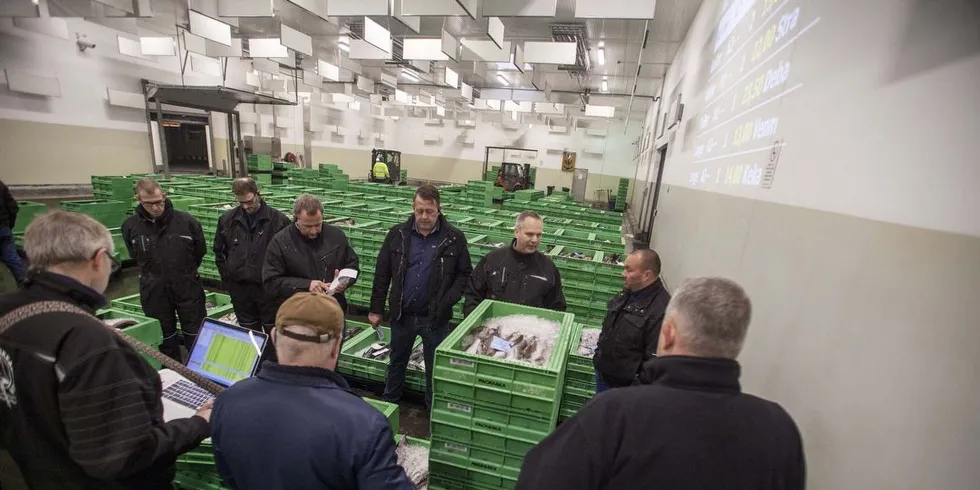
(309, 256)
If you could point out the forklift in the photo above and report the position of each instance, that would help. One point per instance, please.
(391, 158)
(514, 176)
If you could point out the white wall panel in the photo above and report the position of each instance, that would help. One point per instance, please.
(616, 9)
(209, 28)
(520, 8)
(292, 38)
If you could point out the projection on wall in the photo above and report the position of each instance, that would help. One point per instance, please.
(748, 76)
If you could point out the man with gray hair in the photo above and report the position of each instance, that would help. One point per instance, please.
(307, 256)
(690, 427)
(79, 407)
(519, 273)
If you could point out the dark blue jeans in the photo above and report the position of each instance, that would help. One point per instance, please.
(9, 256)
(600, 385)
(403, 333)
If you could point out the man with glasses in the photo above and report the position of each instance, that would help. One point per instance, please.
(307, 256)
(168, 244)
(79, 407)
(240, 242)
(426, 264)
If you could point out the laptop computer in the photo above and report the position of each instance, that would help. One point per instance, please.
(222, 353)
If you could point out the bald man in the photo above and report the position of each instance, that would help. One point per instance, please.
(632, 325)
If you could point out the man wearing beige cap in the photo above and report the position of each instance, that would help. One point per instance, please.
(297, 424)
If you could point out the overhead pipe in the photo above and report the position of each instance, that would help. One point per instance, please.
(636, 78)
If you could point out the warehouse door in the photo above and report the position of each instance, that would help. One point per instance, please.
(188, 138)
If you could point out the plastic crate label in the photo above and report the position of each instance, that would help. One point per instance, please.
(456, 448)
(461, 363)
(459, 407)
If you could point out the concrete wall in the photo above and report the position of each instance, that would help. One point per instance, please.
(863, 258)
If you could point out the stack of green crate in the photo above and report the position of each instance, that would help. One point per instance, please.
(488, 412)
(27, 211)
(109, 213)
(113, 188)
(579, 376)
(208, 215)
(528, 195)
(332, 177)
(260, 169)
(280, 172)
(621, 193)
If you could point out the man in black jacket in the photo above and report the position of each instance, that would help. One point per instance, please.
(691, 427)
(307, 256)
(79, 408)
(632, 324)
(168, 244)
(519, 273)
(240, 243)
(8, 217)
(426, 263)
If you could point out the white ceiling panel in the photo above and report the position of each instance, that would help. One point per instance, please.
(452, 78)
(209, 28)
(126, 99)
(618, 9)
(450, 46)
(520, 8)
(357, 8)
(328, 70)
(217, 50)
(471, 7)
(423, 49)
(600, 110)
(157, 46)
(317, 7)
(195, 44)
(495, 31)
(50, 26)
(204, 65)
(129, 47)
(378, 36)
(552, 53)
(466, 91)
(292, 38)
(363, 50)
(268, 47)
(431, 7)
(245, 8)
(488, 51)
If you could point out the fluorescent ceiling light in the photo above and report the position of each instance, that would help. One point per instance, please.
(344, 44)
(503, 80)
(602, 56)
(605, 84)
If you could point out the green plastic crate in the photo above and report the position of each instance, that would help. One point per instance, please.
(27, 211)
(445, 475)
(258, 162)
(389, 410)
(352, 364)
(472, 457)
(146, 329)
(110, 213)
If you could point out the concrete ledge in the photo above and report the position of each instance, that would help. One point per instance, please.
(54, 191)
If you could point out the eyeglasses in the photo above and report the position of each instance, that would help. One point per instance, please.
(154, 204)
(114, 263)
(249, 202)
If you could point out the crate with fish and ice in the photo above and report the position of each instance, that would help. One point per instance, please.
(569, 258)
(365, 356)
(413, 457)
(506, 355)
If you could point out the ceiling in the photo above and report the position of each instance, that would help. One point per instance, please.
(650, 43)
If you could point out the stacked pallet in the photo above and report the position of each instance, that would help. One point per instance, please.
(488, 412)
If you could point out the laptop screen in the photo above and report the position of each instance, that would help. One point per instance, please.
(224, 353)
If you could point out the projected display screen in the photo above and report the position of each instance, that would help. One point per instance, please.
(749, 72)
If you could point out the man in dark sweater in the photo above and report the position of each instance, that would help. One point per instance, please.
(80, 408)
(691, 427)
(8, 217)
(519, 273)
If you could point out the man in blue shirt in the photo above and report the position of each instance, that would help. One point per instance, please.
(425, 263)
(297, 424)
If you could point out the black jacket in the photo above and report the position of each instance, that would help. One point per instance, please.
(692, 429)
(170, 246)
(240, 252)
(451, 270)
(84, 411)
(292, 261)
(630, 333)
(508, 275)
(8, 207)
